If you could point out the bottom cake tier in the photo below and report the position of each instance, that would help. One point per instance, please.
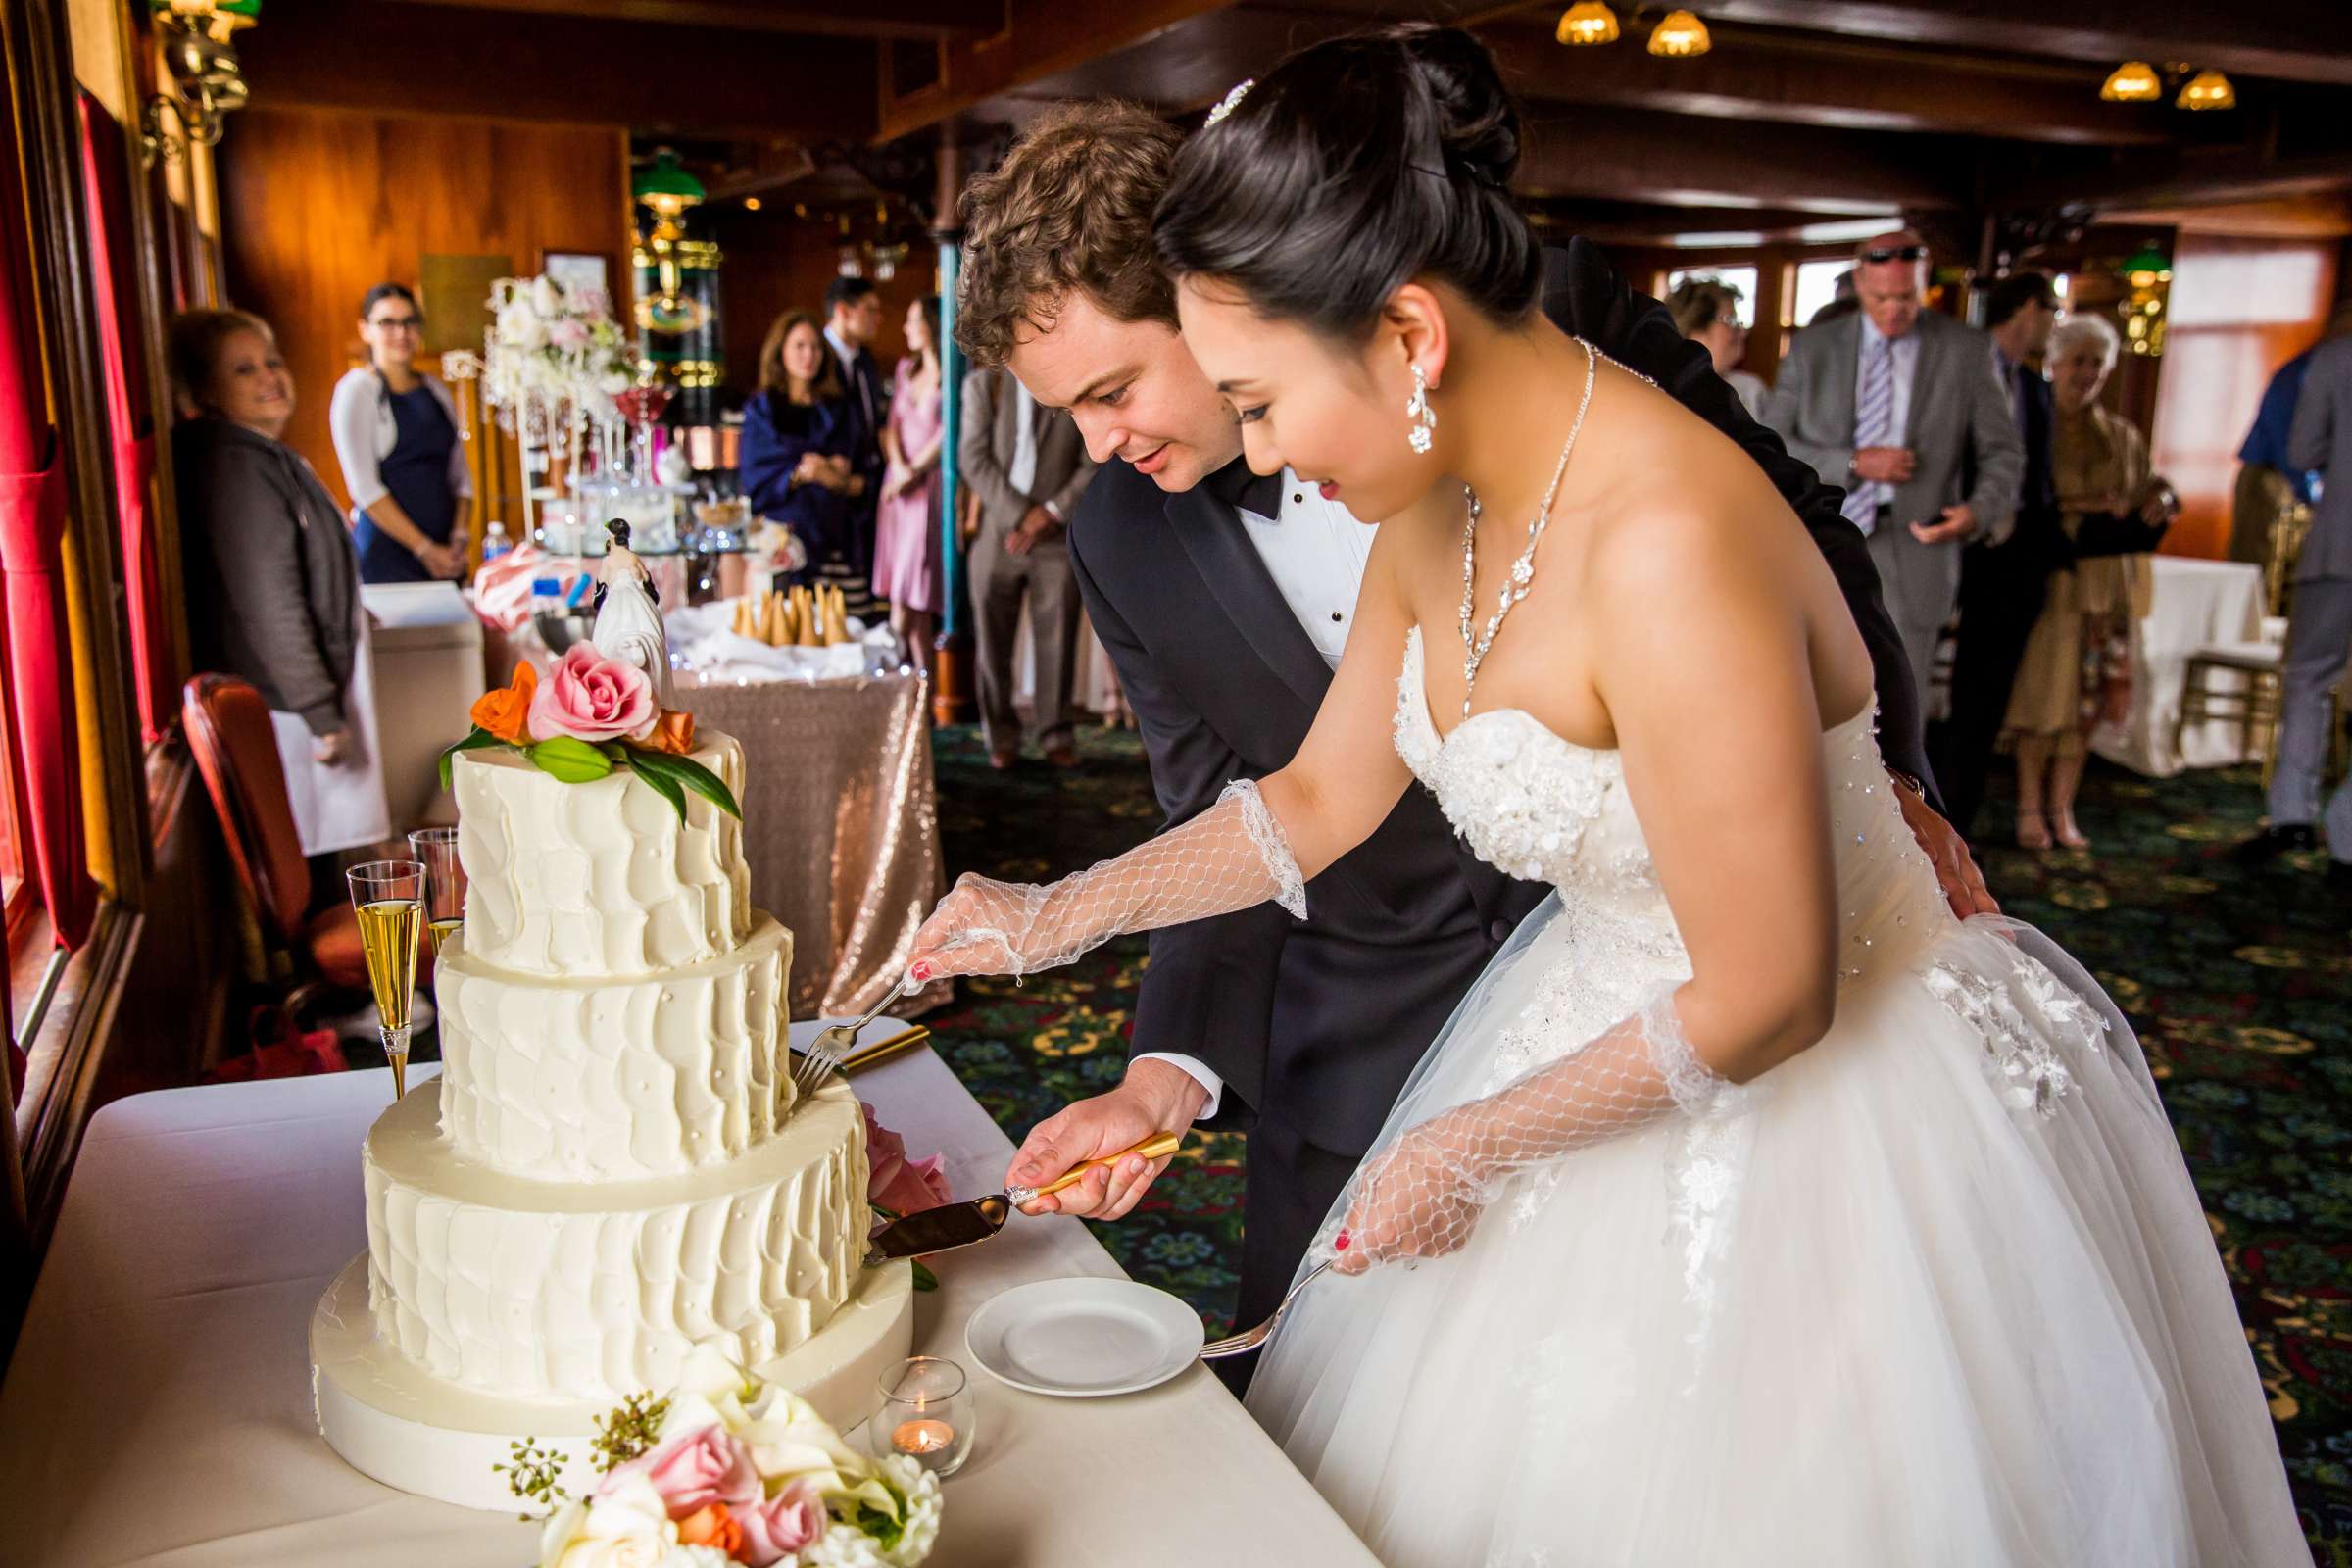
(392, 1420)
(592, 1291)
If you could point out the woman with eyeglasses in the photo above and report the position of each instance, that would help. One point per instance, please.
(395, 430)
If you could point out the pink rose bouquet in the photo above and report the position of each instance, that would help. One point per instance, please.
(894, 1182)
(727, 1470)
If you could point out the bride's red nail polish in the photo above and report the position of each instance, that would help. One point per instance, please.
(1339, 1243)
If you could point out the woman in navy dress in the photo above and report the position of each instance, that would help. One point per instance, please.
(395, 430)
(796, 466)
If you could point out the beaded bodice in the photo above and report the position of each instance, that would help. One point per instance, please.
(1546, 810)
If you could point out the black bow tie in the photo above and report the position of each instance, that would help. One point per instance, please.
(1235, 485)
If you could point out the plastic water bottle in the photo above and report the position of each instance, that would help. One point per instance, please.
(495, 542)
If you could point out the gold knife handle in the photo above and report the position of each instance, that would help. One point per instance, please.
(1158, 1147)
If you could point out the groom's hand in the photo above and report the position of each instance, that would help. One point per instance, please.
(1956, 870)
(1157, 1096)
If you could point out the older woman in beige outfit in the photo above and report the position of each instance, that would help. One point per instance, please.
(2100, 463)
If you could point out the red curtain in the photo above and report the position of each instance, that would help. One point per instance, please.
(43, 758)
(106, 173)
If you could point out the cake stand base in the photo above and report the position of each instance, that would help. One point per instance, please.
(392, 1420)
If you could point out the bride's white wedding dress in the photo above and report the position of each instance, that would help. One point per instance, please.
(1938, 1293)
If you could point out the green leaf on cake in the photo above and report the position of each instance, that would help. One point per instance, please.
(471, 743)
(684, 773)
(924, 1279)
(662, 784)
(573, 760)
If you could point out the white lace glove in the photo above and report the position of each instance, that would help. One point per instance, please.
(1422, 1195)
(1230, 856)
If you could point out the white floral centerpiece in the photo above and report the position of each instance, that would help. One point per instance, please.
(728, 1470)
(552, 363)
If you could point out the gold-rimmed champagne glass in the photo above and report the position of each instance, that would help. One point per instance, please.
(436, 849)
(389, 896)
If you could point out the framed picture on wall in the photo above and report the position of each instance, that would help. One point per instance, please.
(580, 269)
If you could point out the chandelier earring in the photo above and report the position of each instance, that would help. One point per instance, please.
(1424, 418)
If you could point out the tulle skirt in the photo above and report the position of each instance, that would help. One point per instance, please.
(1943, 1295)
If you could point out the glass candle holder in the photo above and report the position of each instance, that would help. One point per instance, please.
(926, 1415)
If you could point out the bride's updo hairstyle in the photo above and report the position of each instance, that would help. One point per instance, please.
(1354, 168)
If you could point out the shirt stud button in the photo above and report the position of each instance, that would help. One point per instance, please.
(1298, 495)
(1336, 615)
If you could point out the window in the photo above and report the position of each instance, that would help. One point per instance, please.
(1816, 286)
(1743, 278)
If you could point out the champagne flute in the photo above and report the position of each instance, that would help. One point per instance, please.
(436, 849)
(389, 896)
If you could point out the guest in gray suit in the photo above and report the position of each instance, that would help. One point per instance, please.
(1028, 466)
(1900, 406)
(2319, 636)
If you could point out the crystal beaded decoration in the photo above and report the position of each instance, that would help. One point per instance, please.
(1424, 418)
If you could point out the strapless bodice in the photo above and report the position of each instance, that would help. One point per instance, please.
(1546, 810)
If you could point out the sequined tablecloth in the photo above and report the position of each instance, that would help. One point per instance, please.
(840, 824)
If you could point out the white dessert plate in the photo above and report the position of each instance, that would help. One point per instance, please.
(1084, 1338)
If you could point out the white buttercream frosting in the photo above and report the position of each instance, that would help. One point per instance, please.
(567, 1080)
(590, 881)
(573, 1290)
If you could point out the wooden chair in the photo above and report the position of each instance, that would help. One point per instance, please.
(2254, 707)
(236, 751)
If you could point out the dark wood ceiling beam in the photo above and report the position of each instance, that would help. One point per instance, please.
(2171, 179)
(1040, 38)
(2294, 40)
(1851, 86)
(845, 18)
(406, 59)
(1642, 154)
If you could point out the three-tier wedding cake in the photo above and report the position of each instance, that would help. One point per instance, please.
(612, 1167)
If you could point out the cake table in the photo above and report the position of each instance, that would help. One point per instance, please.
(158, 1407)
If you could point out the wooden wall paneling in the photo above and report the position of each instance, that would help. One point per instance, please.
(772, 263)
(2239, 309)
(318, 204)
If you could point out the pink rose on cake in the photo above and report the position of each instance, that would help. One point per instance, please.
(594, 698)
(692, 1471)
(894, 1182)
(782, 1525)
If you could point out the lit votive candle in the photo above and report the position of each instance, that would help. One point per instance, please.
(923, 1437)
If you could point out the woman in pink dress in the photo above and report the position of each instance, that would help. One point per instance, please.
(907, 529)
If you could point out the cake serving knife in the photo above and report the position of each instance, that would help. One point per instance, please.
(953, 1225)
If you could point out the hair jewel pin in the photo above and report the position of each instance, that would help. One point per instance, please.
(1229, 103)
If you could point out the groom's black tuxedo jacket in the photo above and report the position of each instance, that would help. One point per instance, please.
(1318, 1023)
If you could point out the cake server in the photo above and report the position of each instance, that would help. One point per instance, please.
(953, 1225)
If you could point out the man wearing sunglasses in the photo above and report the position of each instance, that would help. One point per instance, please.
(1899, 405)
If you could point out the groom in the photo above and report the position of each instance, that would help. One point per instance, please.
(1224, 599)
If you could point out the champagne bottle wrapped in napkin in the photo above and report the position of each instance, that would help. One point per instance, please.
(803, 618)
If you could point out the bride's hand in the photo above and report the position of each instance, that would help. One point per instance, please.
(1418, 1198)
(976, 929)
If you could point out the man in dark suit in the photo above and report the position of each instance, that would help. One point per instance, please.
(852, 319)
(1223, 597)
(2002, 582)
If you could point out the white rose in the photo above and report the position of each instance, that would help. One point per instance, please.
(842, 1548)
(519, 327)
(562, 1528)
(628, 1527)
(612, 383)
(545, 296)
(697, 1557)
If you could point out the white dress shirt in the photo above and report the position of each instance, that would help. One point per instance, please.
(1906, 365)
(1315, 552)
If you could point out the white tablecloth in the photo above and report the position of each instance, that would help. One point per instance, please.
(2196, 603)
(157, 1406)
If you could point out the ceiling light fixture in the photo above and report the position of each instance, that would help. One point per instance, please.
(2208, 89)
(1586, 22)
(1680, 36)
(2133, 81)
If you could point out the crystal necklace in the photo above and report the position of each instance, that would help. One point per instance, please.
(1522, 574)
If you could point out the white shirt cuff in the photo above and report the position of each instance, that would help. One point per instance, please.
(1196, 1069)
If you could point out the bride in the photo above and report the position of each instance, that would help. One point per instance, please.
(1751, 1209)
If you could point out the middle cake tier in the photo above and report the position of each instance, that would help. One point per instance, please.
(558, 1080)
(592, 1291)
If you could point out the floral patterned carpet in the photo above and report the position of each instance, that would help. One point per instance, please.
(2240, 983)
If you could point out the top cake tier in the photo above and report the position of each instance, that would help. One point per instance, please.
(590, 881)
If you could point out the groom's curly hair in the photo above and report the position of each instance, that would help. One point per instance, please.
(1070, 207)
